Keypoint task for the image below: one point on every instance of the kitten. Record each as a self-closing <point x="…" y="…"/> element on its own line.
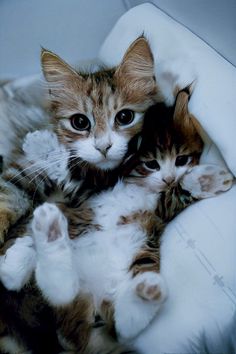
<point x="95" y="117"/>
<point x="118" y="261"/>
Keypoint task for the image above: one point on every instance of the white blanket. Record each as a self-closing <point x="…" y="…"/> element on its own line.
<point x="199" y="246"/>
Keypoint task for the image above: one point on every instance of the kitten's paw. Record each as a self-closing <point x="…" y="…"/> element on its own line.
<point x="205" y="181"/>
<point x="43" y="148"/>
<point x="49" y="224"/>
<point x="17" y="265"/>
<point x="151" y="286"/>
<point x="138" y="302"/>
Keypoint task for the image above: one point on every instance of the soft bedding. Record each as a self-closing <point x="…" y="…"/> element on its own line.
<point x="198" y="247"/>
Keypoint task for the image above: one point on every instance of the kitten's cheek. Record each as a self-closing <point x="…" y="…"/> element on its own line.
<point x="118" y="150"/>
<point x="181" y="172"/>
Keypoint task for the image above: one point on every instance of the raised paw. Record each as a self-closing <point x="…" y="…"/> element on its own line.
<point x="205" y="181"/>
<point x="49" y="224"/>
<point x="150" y="286"/>
<point x="137" y="303"/>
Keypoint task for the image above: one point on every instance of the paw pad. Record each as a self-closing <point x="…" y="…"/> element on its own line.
<point x="148" y="292"/>
<point x="150" y="286"/>
<point x="49" y="223"/>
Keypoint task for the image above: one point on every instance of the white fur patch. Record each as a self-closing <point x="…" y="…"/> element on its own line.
<point x="9" y="345"/>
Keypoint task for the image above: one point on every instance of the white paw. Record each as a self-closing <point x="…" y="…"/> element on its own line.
<point x="49" y="224"/>
<point x="206" y="181"/>
<point x="151" y="286"/>
<point x="138" y="302"/>
<point x="17" y="265"/>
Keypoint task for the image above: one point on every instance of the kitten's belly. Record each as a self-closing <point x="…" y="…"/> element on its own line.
<point x="103" y="259"/>
<point x="122" y="200"/>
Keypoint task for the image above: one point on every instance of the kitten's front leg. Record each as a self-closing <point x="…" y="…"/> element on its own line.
<point x="17" y="263"/>
<point x="55" y="272"/>
<point x="205" y="181"/>
<point x="137" y="302"/>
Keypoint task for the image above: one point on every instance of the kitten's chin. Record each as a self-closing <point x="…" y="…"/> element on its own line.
<point x="107" y="164"/>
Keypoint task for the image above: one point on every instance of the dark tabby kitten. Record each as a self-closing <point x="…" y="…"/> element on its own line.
<point x="95" y="117"/>
<point x="110" y="274"/>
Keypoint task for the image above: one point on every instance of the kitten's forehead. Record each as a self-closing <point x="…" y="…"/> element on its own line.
<point x="164" y="134"/>
<point x="103" y="92"/>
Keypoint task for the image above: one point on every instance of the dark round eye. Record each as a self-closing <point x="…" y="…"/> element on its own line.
<point x="124" y="117"/>
<point x="181" y="160"/>
<point x="153" y="165"/>
<point x="80" y="122"/>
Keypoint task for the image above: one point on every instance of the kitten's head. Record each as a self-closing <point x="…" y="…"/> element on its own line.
<point x="97" y="114"/>
<point x="170" y="145"/>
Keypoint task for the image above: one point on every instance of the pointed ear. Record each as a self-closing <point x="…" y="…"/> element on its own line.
<point x="137" y="64"/>
<point x="181" y="114"/>
<point x="55" y="69"/>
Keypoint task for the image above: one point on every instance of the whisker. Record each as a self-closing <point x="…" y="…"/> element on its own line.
<point x="40" y="169"/>
<point x="38" y="185"/>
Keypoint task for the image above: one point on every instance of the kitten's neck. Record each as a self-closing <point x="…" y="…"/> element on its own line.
<point x="141" y="184"/>
<point x="93" y="177"/>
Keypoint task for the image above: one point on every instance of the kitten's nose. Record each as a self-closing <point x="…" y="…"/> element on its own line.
<point x="103" y="148"/>
<point x="168" y="180"/>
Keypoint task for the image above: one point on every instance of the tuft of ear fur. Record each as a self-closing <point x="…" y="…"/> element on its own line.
<point x="54" y="68"/>
<point x="137" y="66"/>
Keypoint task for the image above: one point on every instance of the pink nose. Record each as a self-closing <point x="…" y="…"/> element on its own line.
<point x="104" y="149"/>
<point x="168" y="180"/>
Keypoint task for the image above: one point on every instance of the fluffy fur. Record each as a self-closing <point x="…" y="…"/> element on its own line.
<point x="116" y="260"/>
<point x="95" y="117"/>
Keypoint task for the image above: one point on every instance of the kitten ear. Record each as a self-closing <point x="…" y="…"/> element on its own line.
<point x="55" y="69"/>
<point x="137" y="65"/>
<point x="181" y="114"/>
<point x="182" y="117"/>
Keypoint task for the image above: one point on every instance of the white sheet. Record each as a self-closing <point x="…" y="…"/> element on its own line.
<point x="198" y="248"/>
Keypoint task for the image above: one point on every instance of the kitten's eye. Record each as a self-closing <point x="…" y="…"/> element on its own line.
<point x="182" y="160"/>
<point x="124" y="117"/>
<point x="152" y="165"/>
<point x="80" y="122"/>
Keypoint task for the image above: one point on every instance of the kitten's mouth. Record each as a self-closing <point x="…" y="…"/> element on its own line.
<point x="106" y="164"/>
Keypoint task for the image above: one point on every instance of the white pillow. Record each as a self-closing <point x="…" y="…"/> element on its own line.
<point x="198" y="247"/>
